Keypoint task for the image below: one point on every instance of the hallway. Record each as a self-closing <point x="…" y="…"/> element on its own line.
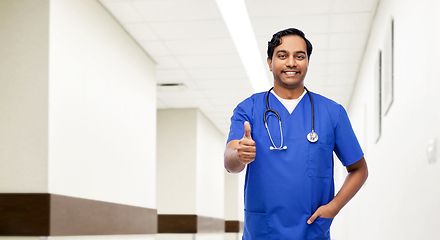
<point x="114" y="114"/>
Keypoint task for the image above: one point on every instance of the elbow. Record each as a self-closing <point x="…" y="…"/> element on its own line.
<point x="366" y="173"/>
<point x="359" y="169"/>
<point x="232" y="167"/>
<point x="226" y="166"/>
<point x="236" y="169"/>
<point x="363" y="172"/>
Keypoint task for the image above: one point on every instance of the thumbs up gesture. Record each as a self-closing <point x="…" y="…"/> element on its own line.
<point x="246" y="146"/>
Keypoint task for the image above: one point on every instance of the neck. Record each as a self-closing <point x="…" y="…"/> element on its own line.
<point x="287" y="93"/>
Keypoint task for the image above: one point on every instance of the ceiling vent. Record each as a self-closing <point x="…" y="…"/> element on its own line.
<point x="171" y="87"/>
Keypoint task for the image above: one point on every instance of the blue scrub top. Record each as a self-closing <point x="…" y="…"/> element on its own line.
<point x="284" y="188"/>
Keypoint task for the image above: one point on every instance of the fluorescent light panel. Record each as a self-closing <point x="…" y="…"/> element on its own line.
<point x="237" y="20"/>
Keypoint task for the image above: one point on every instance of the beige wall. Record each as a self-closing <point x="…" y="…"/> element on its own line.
<point x="176" y="161"/>
<point x="189" y="164"/>
<point x="190" y="175"/>
<point x="234" y="196"/>
<point x="210" y="173"/>
<point x="24" y="66"/>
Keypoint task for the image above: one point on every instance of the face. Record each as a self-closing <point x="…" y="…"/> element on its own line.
<point x="289" y="63"/>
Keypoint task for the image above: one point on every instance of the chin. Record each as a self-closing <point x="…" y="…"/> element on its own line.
<point x="292" y="85"/>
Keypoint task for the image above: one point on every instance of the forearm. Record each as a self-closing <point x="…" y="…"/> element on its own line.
<point x="357" y="175"/>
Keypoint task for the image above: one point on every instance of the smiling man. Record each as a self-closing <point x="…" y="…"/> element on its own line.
<point x="286" y="137"/>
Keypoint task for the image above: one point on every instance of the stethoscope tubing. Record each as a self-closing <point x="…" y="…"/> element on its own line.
<point x="313" y="109"/>
<point x="312" y="136"/>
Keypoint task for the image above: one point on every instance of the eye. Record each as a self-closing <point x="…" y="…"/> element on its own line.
<point x="300" y="56"/>
<point x="281" y="56"/>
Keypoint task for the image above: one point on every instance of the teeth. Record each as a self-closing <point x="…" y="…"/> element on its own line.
<point x="290" y="72"/>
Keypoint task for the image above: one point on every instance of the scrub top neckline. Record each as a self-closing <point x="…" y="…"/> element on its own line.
<point x="284" y="110"/>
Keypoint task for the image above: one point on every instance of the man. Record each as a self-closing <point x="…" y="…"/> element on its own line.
<point x="289" y="189"/>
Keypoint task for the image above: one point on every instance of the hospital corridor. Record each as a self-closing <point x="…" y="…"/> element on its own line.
<point x="118" y="119"/>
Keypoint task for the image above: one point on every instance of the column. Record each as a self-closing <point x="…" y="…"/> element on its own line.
<point x="190" y="176"/>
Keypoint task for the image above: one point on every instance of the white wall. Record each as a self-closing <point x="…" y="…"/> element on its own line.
<point x="400" y="199"/>
<point x="78" y="104"/>
<point x="102" y="102"/>
<point x="24" y="52"/>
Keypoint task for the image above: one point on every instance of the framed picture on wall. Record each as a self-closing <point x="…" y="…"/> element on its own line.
<point x="378" y="97"/>
<point x="388" y="68"/>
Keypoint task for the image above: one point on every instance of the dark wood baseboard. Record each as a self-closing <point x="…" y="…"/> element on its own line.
<point x="233" y="226"/>
<point x="175" y="223"/>
<point x="35" y="214"/>
<point x="44" y="214"/>
<point x="24" y="214"/>
<point x="187" y="223"/>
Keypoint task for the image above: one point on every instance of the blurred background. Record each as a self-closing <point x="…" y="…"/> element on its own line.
<point x="114" y="114"/>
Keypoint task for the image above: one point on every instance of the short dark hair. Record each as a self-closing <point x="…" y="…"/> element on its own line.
<point x="276" y="41"/>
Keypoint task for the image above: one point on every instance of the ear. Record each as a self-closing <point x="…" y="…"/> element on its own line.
<point x="269" y="62"/>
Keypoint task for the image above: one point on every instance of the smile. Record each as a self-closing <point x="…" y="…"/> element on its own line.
<point x="291" y="73"/>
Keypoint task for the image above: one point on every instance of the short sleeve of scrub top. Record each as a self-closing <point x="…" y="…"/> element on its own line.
<point x="242" y="113"/>
<point x="347" y="147"/>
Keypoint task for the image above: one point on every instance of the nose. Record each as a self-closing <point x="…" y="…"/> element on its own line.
<point x="291" y="61"/>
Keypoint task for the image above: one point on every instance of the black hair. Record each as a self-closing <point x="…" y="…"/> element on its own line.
<point x="276" y="41"/>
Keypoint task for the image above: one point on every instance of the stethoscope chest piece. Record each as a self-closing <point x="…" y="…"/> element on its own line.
<point x="312" y="137"/>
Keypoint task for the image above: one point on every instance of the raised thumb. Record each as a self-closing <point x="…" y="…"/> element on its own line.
<point x="247" y="130"/>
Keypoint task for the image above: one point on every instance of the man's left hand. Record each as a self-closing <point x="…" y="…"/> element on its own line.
<point x="324" y="211"/>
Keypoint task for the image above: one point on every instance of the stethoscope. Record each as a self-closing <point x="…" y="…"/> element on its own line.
<point x="312" y="136"/>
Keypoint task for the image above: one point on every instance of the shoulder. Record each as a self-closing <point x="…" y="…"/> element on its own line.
<point x="254" y="97"/>
<point x="334" y="109"/>
<point x="324" y="100"/>
<point x="244" y="111"/>
<point x="247" y="105"/>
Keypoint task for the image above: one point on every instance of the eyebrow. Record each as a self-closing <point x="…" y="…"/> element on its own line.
<point x="284" y="51"/>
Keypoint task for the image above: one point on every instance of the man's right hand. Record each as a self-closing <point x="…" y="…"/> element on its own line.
<point x="246" y="146"/>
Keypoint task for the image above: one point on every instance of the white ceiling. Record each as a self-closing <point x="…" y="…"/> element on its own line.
<point x="191" y="44"/>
